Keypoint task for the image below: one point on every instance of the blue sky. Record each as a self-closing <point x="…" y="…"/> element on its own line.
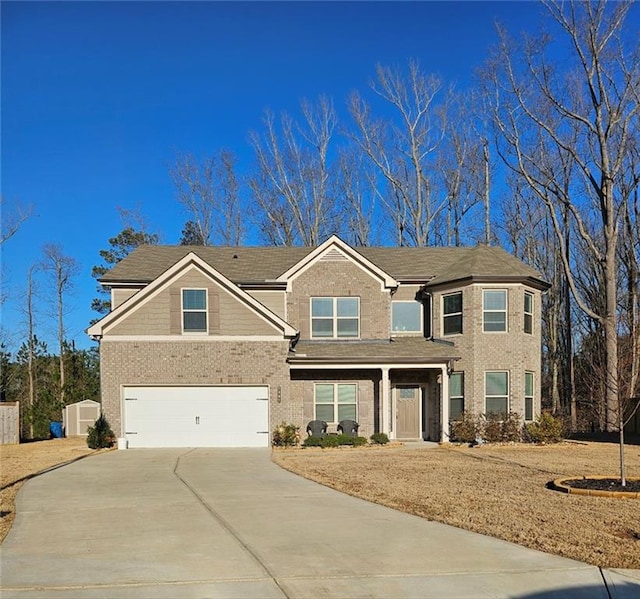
<point x="98" y="97"/>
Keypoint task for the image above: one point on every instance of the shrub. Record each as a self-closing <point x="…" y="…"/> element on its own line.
<point x="465" y="430"/>
<point x="330" y="441"/>
<point x="379" y="438"/>
<point x="546" y="429"/>
<point x="312" y="442"/>
<point x="492" y="429"/>
<point x="511" y="428"/>
<point x="100" y="435"/>
<point x="349" y="440"/>
<point x="286" y="435"/>
<point x="334" y="441"/>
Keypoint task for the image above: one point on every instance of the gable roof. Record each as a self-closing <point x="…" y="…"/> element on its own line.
<point x="172" y="273"/>
<point x="334" y="246"/>
<point x="268" y="265"/>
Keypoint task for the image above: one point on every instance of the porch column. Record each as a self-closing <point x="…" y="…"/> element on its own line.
<point x="384" y="402"/>
<point x="444" y="406"/>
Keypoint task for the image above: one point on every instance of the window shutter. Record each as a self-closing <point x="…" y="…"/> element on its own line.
<point x="305" y="317"/>
<point x="214" y="313"/>
<point x="175" y="311"/>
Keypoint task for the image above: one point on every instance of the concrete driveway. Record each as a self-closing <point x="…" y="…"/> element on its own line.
<point x="228" y="523"/>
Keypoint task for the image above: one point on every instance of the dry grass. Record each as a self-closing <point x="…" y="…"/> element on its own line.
<point x="494" y="490"/>
<point x="21" y="461"/>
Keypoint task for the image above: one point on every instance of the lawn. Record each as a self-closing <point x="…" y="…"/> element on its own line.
<point x="494" y="490"/>
<point x="22" y="461"/>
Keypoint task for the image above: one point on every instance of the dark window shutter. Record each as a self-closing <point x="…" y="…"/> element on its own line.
<point x="175" y="311"/>
<point x="214" y="313"/>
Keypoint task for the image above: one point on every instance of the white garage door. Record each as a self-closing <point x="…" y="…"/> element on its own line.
<point x="196" y="416"/>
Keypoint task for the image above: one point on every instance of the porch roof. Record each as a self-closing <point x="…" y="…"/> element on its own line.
<point x="400" y="350"/>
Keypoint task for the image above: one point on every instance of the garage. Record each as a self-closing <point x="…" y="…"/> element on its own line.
<point x="225" y="416"/>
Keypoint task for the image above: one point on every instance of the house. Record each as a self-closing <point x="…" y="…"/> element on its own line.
<point x="215" y="346"/>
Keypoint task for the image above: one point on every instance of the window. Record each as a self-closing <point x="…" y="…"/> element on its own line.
<point x="496" y="393"/>
<point x="456" y="395"/>
<point x="452" y="313"/>
<point x="494" y="310"/>
<point x="335" y="317"/>
<point x="194" y="310"/>
<point x="528" y="312"/>
<point x="528" y="395"/>
<point x="406" y="317"/>
<point x="336" y="401"/>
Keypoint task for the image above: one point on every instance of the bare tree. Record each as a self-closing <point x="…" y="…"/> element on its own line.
<point x="209" y="191"/>
<point x="360" y="192"/>
<point x="62" y="270"/>
<point x="294" y="186"/>
<point x="11" y="222"/>
<point x="29" y="312"/>
<point x="585" y="115"/>
<point x="403" y="150"/>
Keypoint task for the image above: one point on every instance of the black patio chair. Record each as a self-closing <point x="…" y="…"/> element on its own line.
<point x="317" y="428"/>
<point x="348" y="427"/>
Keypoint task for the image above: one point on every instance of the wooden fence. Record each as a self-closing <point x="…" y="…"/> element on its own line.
<point x="9" y="422"/>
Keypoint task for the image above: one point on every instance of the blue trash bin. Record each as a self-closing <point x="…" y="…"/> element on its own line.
<point x="55" y="428"/>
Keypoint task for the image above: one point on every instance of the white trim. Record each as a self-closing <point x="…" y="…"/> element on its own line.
<point x="505" y="311"/>
<point x="420" y="314"/>
<point x="336" y="404"/>
<point x="508" y="394"/>
<point x="162" y="282"/>
<point x="369" y="366"/>
<point x="525" y="313"/>
<point x="334" y="317"/>
<point x="188" y="338"/>
<point x="205" y="310"/>
<point x="333" y="244"/>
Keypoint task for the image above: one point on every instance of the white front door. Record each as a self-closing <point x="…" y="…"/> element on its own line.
<point x="226" y="416"/>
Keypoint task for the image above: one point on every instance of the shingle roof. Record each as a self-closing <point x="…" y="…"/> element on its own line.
<point x="436" y="265"/>
<point x="398" y="349"/>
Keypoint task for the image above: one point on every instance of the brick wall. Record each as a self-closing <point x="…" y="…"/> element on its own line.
<point x="186" y="363"/>
<point x="514" y="351"/>
<point x="340" y="279"/>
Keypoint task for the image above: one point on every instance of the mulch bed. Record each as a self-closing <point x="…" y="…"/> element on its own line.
<point x="603" y="484"/>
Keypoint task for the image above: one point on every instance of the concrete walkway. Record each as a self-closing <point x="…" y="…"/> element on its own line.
<point x="228" y="523"/>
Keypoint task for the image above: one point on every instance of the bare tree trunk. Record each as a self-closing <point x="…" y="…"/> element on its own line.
<point x="63" y="269"/>
<point x="29" y="309"/>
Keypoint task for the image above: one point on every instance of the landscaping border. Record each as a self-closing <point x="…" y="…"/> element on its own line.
<point x="559" y="485"/>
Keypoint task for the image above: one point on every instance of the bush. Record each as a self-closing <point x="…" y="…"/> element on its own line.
<point x="546" y="429"/>
<point x="465" y="430"/>
<point x="511" y="429"/>
<point x="379" y="438"/>
<point x="100" y="435"/>
<point x="492" y="429"/>
<point x="312" y="442"/>
<point x="286" y="435"/>
<point x="334" y="441"/>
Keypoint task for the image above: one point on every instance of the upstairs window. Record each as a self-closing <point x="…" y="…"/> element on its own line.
<point x="406" y="317"/>
<point x="456" y="395"/>
<point x="336" y="401"/>
<point x="194" y="310"/>
<point x="528" y="312"/>
<point x="452" y="313"/>
<point x="335" y="317"/>
<point x="496" y="393"/>
<point x="494" y="310"/>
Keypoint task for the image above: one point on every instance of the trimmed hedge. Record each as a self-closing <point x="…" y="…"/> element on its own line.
<point x="334" y="441"/>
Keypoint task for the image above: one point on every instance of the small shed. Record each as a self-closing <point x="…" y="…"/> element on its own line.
<point x="9" y="422"/>
<point x="77" y="417"/>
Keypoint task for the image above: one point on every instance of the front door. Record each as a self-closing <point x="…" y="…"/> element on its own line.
<point x="408" y="400"/>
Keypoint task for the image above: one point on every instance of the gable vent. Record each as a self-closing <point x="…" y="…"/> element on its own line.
<point x="334" y="255"/>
